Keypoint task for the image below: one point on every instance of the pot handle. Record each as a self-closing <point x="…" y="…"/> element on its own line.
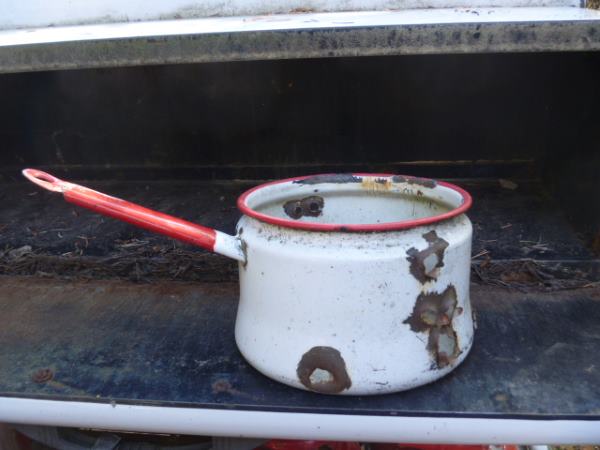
<point x="137" y="215"/>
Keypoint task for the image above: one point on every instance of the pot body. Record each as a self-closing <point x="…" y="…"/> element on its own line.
<point x="355" y="313"/>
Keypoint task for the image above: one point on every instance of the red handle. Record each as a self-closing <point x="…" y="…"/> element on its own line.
<point x="128" y="212"/>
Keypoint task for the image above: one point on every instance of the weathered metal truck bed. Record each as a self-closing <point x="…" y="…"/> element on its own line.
<point x="98" y="311"/>
<point x="106" y="326"/>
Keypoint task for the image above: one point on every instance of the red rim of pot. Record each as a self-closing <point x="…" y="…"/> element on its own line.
<point x="467" y="201"/>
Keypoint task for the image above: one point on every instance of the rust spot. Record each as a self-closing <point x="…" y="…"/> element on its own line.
<point x="330" y="178"/>
<point x="310" y="206"/>
<point x="433" y="314"/>
<point x="592" y="4"/>
<point x="322" y="369"/>
<point x="244" y="248"/>
<point x="425" y="182"/>
<point x="301" y="10"/>
<point x="221" y="385"/>
<point x="376" y="184"/>
<point x="42" y="376"/>
<point x="425" y="265"/>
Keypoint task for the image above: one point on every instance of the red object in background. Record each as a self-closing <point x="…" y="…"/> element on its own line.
<point x="331" y="445"/>
<point x="439" y="447"/>
<point x="280" y="444"/>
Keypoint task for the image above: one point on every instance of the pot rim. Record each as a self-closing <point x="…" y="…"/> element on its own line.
<point x="466" y="203"/>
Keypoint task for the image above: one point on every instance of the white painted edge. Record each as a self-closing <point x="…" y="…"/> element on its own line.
<point x="230" y="246"/>
<point x="282" y="425"/>
<point x="282" y="22"/>
<point x="41" y="13"/>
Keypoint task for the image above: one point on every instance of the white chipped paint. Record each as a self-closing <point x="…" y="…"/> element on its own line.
<point x="351" y="292"/>
<point x="40" y="13"/>
<point x="166" y="28"/>
<point x="282" y="425"/>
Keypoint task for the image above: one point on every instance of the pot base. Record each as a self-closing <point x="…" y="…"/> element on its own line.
<point x="328" y="379"/>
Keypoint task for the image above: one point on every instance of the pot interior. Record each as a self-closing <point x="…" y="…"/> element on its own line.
<point x="354" y="200"/>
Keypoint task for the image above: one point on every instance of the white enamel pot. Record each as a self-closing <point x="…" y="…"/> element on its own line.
<point x="349" y="284"/>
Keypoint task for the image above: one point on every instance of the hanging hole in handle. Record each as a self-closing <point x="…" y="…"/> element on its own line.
<point x="44" y="180"/>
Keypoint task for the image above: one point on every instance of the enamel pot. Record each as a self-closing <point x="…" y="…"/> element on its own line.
<point x="349" y="284"/>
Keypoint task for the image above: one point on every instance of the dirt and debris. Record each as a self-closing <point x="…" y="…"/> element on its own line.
<point x="19" y="252"/>
<point x="93" y="246"/>
<point x="507" y="184"/>
<point x="302" y="10"/>
<point x="42" y="376"/>
<point x="424" y="182"/>
<point x="596" y="244"/>
<point x="330" y="178"/>
<point x="480" y="254"/>
<point x="532" y="275"/>
<point x="97" y="247"/>
<point x="135" y="261"/>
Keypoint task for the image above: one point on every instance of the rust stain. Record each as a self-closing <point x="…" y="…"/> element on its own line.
<point x="433" y="313"/>
<point x="42" y="376"/>
<point x="223" y="385"/>
<point x="425" y="265"/>
<point x="301" y="10"/>
<point x="376" y="184"/>
<point x="592" y="4"/>
<point x="322" y="369"/>
<point x="425" y="182"/>
<point x="310" y="206"/>
<point x="244" y="248"/>
<point x="330" y="178"/>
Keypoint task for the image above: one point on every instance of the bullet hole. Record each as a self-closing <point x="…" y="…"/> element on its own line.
<point x="310" y="206"/>
<point x="425" y="265"/>
<point x="322" y="369"/>
<point x="433" y="314"/>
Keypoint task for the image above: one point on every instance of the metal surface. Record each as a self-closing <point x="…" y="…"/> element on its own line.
<point x="132" y="350"/>
<point x="312" y="35"/>
<point x="172" y="344"/>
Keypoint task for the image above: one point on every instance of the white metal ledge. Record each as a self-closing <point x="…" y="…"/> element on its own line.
<point x="305" y="35"/>
<point x="261" y="424"/>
